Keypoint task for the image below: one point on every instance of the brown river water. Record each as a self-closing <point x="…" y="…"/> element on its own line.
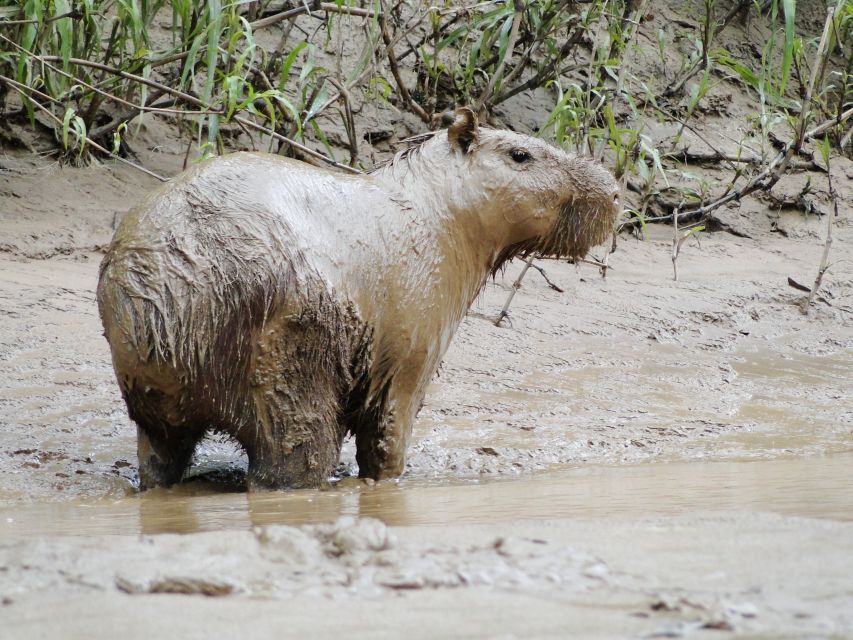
<point x="819" y="486"/>
<point x="762" y="469"/>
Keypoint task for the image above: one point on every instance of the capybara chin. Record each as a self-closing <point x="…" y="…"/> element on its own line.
<point x="288" y="305"/>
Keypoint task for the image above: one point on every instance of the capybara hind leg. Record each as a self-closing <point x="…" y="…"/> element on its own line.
<point x="163" y="460"/>
<point x="295" y="438"/>
<point x="305" y="466"/>
<point x="294" y="448"/>
<point x="296" y="451"/>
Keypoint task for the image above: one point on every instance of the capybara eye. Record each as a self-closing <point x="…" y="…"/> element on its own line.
<point x="519" y="155"/>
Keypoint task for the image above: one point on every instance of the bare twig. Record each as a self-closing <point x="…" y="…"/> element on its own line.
<point x="715" y="156"/>
<point x="678" y="240"/>
<point x="594" y="263"/>
<point x="528" y="262"/>
<point x="824" y="260"/>
<point x="547" y="279"/>
<point x="74" y="14"/>
<point x="676" y="245"/>
<point x="328" y="7"/>
<point x="796" y="285"/>
<point x="395" y="71"/>
<point x="306" y="150"/>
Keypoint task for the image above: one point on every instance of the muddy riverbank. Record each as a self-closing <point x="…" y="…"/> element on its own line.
<point x="633" y="457"/>
<point x="626" y="369"/>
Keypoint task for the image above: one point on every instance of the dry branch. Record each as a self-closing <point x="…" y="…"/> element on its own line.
<point x="824" y="260"/>
<point x="547" y="279"/>
<point x="528" y="262"/>
<point x="762" y="181"/>
<point x="395" y="71"/>
<point x="74" y="14"/>
<point x="306" y="8"/>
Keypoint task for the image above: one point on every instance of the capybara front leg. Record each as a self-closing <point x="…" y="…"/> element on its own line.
<point x="379" y="456"/>
<point x="381" y="447"/>
<point x="163" y="460"/>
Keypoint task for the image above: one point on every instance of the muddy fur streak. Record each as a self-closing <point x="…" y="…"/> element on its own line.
<point x="288" y="305"/>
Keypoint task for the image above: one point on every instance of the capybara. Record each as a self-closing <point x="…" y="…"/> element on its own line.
<point x="288" y="305"/>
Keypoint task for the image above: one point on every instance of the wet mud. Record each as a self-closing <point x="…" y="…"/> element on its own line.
<point x="634" y="457"/>
<point x="621" y="370"/>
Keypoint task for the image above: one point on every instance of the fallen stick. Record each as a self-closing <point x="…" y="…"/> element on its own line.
<point x="306" y="8"/>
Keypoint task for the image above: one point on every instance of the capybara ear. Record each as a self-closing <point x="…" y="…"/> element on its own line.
<point x="462" y="132"/>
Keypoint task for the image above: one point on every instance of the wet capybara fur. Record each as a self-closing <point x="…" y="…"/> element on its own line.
<point x="288" y="305"/>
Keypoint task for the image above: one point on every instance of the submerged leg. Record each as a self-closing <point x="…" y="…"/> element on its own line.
<point x="381" y="445"/>
<point x="164" y="454"/>
<point x="380" y="455"/>
<point x="308" y="465"/>
<point x="297" y="440"/>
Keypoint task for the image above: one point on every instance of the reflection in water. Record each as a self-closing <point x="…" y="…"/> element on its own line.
<point x="817" y="487"/>
<point x="159" y="512"/>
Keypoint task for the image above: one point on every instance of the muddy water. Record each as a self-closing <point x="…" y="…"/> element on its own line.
<point x="816" y="486"/>
<point x="797" y="402"/>
<point x="655" y="402"/>
<point x="791" y="452"/>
